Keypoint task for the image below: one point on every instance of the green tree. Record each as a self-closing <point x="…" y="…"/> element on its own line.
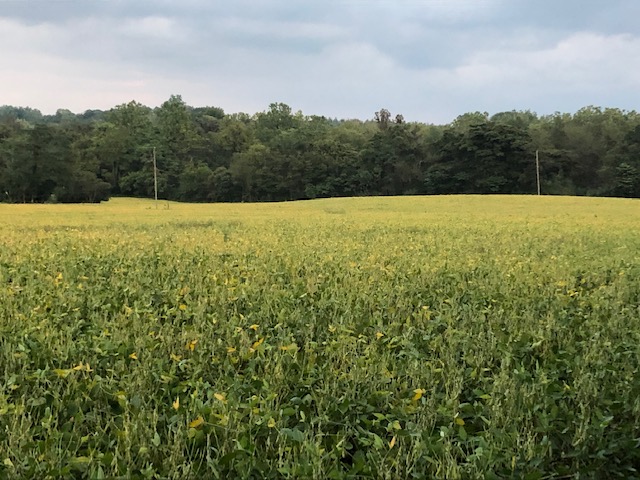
<point x="274" y="121"/>
<point x="394" y="157"/>
<point x="627" y="180"/>
<point x="176" y="138"/>
<point x="223" y="187"/>
<point x="83" y="183"/>
<point x="248" y="170"/>
<point x="37" y="162"/>
<point x="123" y="144"/>
<point x="484" y="157"/>
<point x="195" y="183"/>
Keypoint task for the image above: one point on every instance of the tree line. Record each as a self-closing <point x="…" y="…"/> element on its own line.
<point x="204" y="154"/>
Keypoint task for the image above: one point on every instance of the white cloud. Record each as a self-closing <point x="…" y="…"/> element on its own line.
<point x="152" y="27"/>
<point x="443" y="12"/>
<point x="281" y="29"/>
<point x="582" y="60"/>
<point x="582" y="69"/>
<point x="38" y="70"/>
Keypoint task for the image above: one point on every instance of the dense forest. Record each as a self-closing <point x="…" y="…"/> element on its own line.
<point x="203" y="154"/>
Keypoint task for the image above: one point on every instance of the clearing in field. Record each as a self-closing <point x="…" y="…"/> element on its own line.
<point x="414" y="337"/>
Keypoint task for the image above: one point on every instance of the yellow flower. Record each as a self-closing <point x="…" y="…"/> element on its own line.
<point x="82" y="366"/>
<point x="258" y="343"/>
<point x="182" y="307"/>
<point x="220" y="397"/>
<point x="197" y="422"/>
<point x="191" y="345"/>
<point x="379" y="335"/>
<point x="271" y="423"/>
<point x="418" y="392"/>
<point x="230" y="349"/>
<point x="254" y="327"/>
<point x="133" y="356"/>
<point x="176" y="403"/>
<point x="176" y="358"/>
<point x="392" y="442"/>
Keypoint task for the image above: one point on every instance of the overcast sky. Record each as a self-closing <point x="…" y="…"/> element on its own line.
<point x="430" y="60"/>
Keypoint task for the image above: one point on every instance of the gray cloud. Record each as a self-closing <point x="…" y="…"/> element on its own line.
<point x="429" y="59"/>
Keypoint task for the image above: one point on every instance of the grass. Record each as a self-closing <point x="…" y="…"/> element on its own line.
<point x="414" y="337"/>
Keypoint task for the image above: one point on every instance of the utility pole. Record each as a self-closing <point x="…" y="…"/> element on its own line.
<point x="155" y="177"/>
<point x="538" y="171"/>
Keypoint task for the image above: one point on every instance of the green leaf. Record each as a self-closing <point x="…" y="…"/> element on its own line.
<point x="293" y="434"/>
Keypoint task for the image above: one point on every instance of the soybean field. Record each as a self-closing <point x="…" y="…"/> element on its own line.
<point x="390" y="337"/>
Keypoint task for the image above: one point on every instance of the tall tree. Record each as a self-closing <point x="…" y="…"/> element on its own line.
<point x="176" y="135"/>
<point x="483" y="157"/>
<point x="394" y="157"/>
<point x="123" y="144"/>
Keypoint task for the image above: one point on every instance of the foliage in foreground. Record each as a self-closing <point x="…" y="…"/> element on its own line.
<point x="451" y="337"/>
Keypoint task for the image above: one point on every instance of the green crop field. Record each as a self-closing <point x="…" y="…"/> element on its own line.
<point x="416" y="337"/>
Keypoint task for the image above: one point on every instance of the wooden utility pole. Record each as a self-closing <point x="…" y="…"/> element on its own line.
<point x="155" y="177"/>
<point x="538" y="171"/>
